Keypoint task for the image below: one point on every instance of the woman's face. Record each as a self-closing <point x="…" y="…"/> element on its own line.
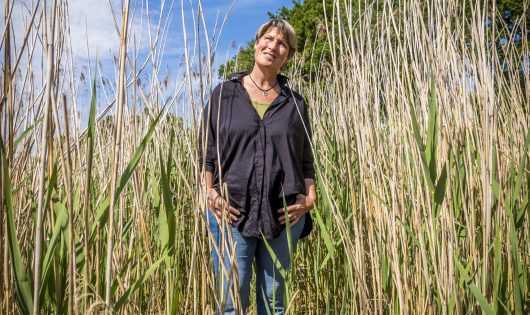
<point x="271" y="50"/>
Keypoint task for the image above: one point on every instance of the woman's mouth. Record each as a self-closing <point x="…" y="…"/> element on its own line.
<point x="272" y="56"/>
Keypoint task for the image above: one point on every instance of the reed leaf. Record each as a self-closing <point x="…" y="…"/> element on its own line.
<point x="22" y="280"/>
<point x="441" y="184"/>
<point x="421" y="147"/>
<point x="92" y="114"/>
<point x="275" y="259"/>
<point x="52" y="182"/>
<point x="326" y="237"/>
<point x="484" y="305"/>
<point x="432" y="131"/>
<point x="167" y="216"/>
<point x="61" y="223"/>
<point x="521" y="168"/>
<point x="138" y="283"/>
<point x="26" y="132"/>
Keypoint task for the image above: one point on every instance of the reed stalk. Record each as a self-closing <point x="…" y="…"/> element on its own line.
<point x="4" y="279"/>
<point x="121" y="101"/>
<point x="50" y="53"/>
<point x="72" y="302"/>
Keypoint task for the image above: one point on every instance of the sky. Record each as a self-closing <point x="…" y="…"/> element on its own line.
<point x="94" y="36"/>
<point x="245" y="18"/>
<point x="93" y="19"/>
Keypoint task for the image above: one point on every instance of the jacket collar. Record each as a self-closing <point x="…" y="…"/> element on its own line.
<point x="237" y="76"/>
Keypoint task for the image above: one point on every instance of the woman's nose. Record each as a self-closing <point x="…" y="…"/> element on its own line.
<point x="273" y="44"/>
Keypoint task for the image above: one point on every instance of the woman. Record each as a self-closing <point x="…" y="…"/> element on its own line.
<point x="257" y="154"/>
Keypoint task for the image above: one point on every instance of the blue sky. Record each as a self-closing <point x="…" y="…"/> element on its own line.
<point x="239" y="28"/>
<point x="93" y="32"/>
<point x="93" y="35"/>
<point x="244" y="19"/>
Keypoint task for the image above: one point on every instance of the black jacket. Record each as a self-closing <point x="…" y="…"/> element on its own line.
<point x="261" y="160"/>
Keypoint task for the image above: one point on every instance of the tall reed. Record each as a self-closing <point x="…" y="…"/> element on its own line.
<point x="420" y="132"/>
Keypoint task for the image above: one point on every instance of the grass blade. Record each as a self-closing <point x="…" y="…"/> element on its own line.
<point x="326" y="237"/>
<point x="168" y="220"/>
<point x="61" y="223"/>
<point x="421" y="147"/>
<point x="22" y="280"/>
<point x="484" y="305"/>
<point x="432" y="131"/>
<point x="138" y="283"/>
<point x="520" y="170"/>
<point x="25" y="133"/>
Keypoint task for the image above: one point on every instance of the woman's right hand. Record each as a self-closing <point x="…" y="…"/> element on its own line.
<point x="219" y="206"/>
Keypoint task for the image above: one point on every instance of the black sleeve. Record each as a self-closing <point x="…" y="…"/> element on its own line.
<point x="308" y="167"/>
<point x="207" y="136"/>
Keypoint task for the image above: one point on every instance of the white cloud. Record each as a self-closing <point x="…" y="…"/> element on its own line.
<point x="92" y="28"/>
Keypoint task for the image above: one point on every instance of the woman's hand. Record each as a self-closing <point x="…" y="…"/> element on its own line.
<point x="219" y="205"/>
<point x="302" y="206"/>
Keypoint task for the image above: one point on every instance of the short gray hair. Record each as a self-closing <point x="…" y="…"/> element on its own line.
<point x="285" y="28"/>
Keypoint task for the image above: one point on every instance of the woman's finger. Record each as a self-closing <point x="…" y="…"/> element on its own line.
<point x="290" y="209"/>
<point x="292" y="218"/>
<point x="223" y="204"/>
<point x="234" y="211"/>
<point x="282" y="210"/>
<point x="296" y="220"/>
<point x="298" y="209"/>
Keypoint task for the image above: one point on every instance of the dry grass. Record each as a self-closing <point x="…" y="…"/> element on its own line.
<point x="421" y="140"/>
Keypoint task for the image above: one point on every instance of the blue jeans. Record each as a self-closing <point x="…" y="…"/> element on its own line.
<point x="270" y="284"/>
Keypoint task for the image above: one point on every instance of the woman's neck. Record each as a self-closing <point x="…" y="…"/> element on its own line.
<point x="264" y="77"/>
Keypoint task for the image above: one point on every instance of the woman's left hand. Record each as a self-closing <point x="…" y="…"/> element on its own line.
<point x="302" y="206"/>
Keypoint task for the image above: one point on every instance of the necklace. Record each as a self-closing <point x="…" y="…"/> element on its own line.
<point x="265" y="92"/>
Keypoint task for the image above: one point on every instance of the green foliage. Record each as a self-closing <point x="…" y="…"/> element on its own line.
<point x="243" y="61"/>
<point x="26" y="132"/>
<point x="515" y="7"/>
<point x="92" y="115"/>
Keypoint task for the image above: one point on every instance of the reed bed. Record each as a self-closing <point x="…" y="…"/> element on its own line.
<point x="420" y="131"/>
